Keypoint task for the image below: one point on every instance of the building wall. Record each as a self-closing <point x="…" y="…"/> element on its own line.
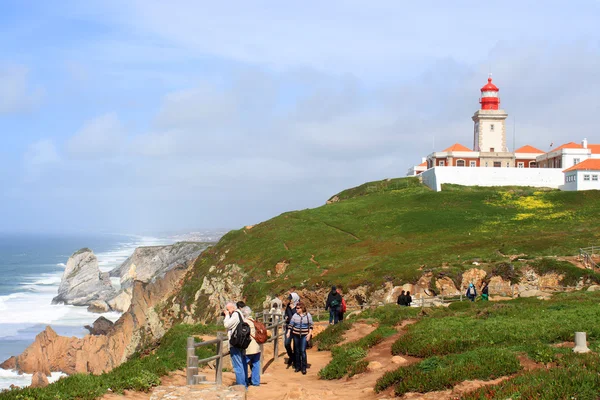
<point x="570" y="181"/>
<point x="536" y="177"/>
<point x="591" y="184"/>
<point x="526" y="162"/>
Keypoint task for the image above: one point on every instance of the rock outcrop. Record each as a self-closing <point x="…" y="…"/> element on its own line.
<point x="147" y="264"/>
<point x="101" y="326"/>
<point x="137" y="327"/>
<point x="82" y="282"/>
<point x="39" y="380"/>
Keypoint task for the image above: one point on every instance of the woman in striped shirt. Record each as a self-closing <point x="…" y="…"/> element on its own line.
<point x="300" y="327"/>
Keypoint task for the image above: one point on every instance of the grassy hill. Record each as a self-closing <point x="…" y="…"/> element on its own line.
<point x="385" y="230"/>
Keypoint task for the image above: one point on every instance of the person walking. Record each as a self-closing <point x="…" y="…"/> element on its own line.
<point x="471" y="292"/>
<point x="290" y="310"/>
<point x="401" y="299"/>
<point x="342" y="306"/>
<point x="301" y="328"/>
<point x="333" y="304"/>
<point x="485" y="292"/>
<point x="233" y="317"/>
<point x="253" y="351"/>
<point x="407" y="299"/>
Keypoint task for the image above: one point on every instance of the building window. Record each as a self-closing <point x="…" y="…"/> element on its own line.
<point x="492" y="149"/>
<point x="497" y="164"/>
<point x="492" y="127"/>
<point x="486" y="163"/>
<point x="532" y="164"/>
<point x="460" y="163"/>
<point x="520" y="165"/>
<point x="575" y="161"/>
<point x="586" y="177"/>
<point x="507" y="164"/>
<point x="594" y="177"/>
<point x="472" y="163"/>
<point x="441" y="163"/>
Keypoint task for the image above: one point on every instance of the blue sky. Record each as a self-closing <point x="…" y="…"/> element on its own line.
<point x="144" y="116"/>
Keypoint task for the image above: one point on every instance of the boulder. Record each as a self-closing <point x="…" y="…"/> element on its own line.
<point x="148" y="263"/>
<point x="593" y="288"/>
<point x="38" y="380"/>
<point x="122" y="301"/>
<point x="374" y="366"/>
<point x="98" y="306"/>
<point x="11" y="363"/>
<point x="101" y="326"/>
<point x="280" y="267"/>
<point x="399" y="360"/>
<point x="474" y="276"/>
<point x="82" y="282"/>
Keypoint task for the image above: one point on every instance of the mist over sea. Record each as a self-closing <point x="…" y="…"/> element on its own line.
<point x="31" y="267"/>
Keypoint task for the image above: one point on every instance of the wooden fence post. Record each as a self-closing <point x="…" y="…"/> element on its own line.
<point x="219" y="361"/>
<point x="190" y="352"/>
<point x="276" y="338"/>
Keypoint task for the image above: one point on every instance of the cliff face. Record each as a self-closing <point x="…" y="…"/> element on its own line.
<point x="139" y="326"/>
<point x="82" y="282"/>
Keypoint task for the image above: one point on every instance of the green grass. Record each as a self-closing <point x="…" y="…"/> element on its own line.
<point x="140" y="373"/>
<point x="467" y="326"/>
<point x="385" y="231"/>
<point x="576" y="377"/>
<point x="332" y="335"/>
<point x="440" y="373"/>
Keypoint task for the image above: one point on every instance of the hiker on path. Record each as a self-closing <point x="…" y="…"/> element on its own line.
<point x="301" y="328"/>
<point x="471" y="292"/>
<point x="290" y="310"/>
<point x="253" y="351"/>
<point x="342" y="306"/>
<point x="401" y="299"/>
<point x="407" y="299"/>
<point x="333" y="304"/>
<point x="233" y="317"/>
<point x="485" y="292"/>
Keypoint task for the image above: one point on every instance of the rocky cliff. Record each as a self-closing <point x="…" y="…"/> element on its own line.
<point x="95" y="354"/>
<point x="82" y="282"/>
<point x="147" y="264"/>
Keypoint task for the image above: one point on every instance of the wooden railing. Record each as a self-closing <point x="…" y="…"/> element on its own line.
<point x="587" y="254"/>
<point x="193" y="363"/>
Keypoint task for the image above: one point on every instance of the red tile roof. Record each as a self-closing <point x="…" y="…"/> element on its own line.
<point x="457" y="147"/>
<point x="423" y="164"/>
<point x="586" y="165"/>
<point x="595" y="148"/>
<point x="570" y="145"/>
<point x="528" y="149"/>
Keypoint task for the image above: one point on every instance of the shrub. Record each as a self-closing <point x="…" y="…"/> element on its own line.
<point x="332" y="335"/>
<point x="439" y="373"/>
<point x="507" y="271"/>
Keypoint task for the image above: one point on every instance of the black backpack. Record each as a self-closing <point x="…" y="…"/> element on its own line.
<point x="240" y="337"/>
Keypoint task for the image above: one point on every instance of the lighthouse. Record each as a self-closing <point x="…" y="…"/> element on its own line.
<point x="489" y="134"/>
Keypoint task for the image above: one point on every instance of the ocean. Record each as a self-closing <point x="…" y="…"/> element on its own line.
<point x="31" y="267"/>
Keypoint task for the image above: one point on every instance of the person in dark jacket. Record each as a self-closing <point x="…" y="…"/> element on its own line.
<point x="333" y="304"/>
<point x="401" y="299"/>
<point x="407" y="299"/>
<point x="290" y="310"/>
<point x="471" y="292"/>
<point x="485" y="292"/>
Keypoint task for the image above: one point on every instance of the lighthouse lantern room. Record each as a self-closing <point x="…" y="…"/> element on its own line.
<point x="489" y="96"/>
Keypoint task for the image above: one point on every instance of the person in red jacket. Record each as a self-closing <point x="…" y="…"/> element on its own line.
<point x="343" y="306"/>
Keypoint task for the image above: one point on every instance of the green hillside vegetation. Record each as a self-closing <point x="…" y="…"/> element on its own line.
<point x="386" y="230"/>
<point x="482" y="340"/>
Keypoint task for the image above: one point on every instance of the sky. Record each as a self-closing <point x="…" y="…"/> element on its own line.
<point x="140" y="116"/>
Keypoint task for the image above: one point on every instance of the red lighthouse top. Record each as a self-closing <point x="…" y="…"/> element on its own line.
<point x="489" y="96"/>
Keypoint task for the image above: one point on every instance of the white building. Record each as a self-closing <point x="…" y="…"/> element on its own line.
<point x="583" y="176"/>
<point x="568" y="155"/>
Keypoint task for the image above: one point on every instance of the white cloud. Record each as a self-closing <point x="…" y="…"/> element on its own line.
<point x="16" y="93"/>
<point x="101" y="137"/>
<point x="39" y="156"/>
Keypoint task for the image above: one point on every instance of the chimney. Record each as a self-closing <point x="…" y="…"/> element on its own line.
<point x="584" y="143"/>
<point x="423" y="159"/>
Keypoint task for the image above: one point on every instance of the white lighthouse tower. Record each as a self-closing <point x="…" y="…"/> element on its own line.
<point x="489" y="135"/>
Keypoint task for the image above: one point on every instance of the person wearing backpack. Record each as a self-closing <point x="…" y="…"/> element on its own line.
<point x="485" y="291"/>
<point x="333" y="304"/>
<point x="257" y="329"/>
<point x="238" y="342"/>
<point x="471" y="292"/>
<point x="301" y="328"/>
<point x="401" y="299"/>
